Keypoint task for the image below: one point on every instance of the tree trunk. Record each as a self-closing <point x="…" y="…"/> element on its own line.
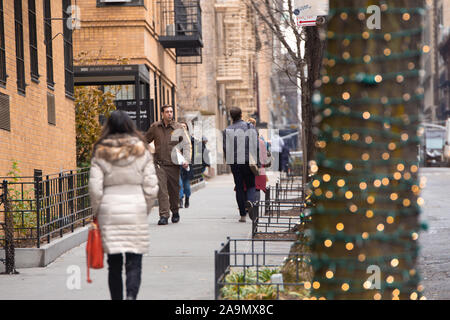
<point x="366" y="188"/>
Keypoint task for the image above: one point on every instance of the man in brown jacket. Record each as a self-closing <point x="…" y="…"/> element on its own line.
<point x="168" y="137"/>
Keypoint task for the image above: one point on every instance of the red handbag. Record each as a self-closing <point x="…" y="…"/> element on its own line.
<point x="94" y="249"/>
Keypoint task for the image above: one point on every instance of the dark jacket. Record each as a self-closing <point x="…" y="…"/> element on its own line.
<point x="237" y="139"/>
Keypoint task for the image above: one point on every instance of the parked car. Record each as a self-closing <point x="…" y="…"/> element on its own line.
<point x="446" y="148"/>
<point x="433" y="144"/>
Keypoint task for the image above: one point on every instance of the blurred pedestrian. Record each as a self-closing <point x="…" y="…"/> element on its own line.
<point x="284" y="159"/>
<point x="123" y="187"/>
<point x="170" y="140"/>
<point x="239" y="144"/>
<point x="186" y="175"/>
<point x="261" y="179"/>
<point x="276" y="149"/>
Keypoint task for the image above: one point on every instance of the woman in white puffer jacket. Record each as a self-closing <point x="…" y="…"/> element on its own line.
<point x="123" y="187"/>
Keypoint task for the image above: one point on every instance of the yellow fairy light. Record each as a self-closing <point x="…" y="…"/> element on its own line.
<point x="367" y="285"/>
<point x="346" y="55"/>
<point x="370" y="199"/>
<point x="380" y="227"/>
<point x="307" y="285"/>
<point x="353" y="208"/>
<point x="344" y="16"/>
<point x="346" y="42"/>
<point x="396" y="292"/>
<point x="413" y="296"/>
<point x="322" y="298"/>
<point x="407" y="176"/>
<point x="394" y="196"/>
<point x="387" y="52"/>
<point x="378" y="78"/>
<point x="365" y="235"/>
<point x="316" y="183"/>
<point x="365" y="156"/>
<point x="404" y="136"/>
<point x="385" y="181"/>
<point x="346" y="95"/>
<point x="392" y="146"/>
<point x="423" y="298"/>
<point x="369" y="214"/>
<point x="390" y="279"/>
<point x="330" y="34"/>
<point x="415" y="189"/>
<point x="420" y="288"/>
<point x="411" y="66"/>
<point x="340" y="80"/>
<point x="426" y="49"/>
<point x="326" y="79"/>
<point x="406" y="16"/>
<point x="406" y="97"/>
<point x="318" y="192"/>
<point x="397" y="176"/>
<point x="362" y="257"/>
<point x="349" y="195"/>
<point x="355" y="137"/>
<point x="326" y="177"/>
<point x="369" y="139"/>
<point x="394" y="262"/>
<point x="377" y="296"/>
<point x="345" y="287"/>
<point x="329" y="274"/>
<point x="349" y="246"/>
<point x="385" y="156"/>
<point x="390" y="220"/>
<point x="414" y="168"/>
<point x="329" y="194"/>
<point x="366" y="115"/>
<point x="366" y="35"/>
<point x="346" y="137"/>
<point x="361" y="16"/>
<point x="341" y="183"/>
<point x="363" y="186"/>
<point x="340" y="226"/>
<point x="316" y="285"/>
<point x="400" y="78"/>
<point x="406" y="202"/>
<point x="387" y="37"/>
<point x="328" y="243"/>
<point x="414" y="236"/>
<point x="348" y="167"/>
<point x="367" y="58"/>
<point x="420" y="201"/>
<point x="377" y="183"/>
<point x="400" y="167"/>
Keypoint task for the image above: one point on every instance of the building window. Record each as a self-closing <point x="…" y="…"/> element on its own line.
<point x="68" y="50"/>
<point x="20" y="63"/>
<point x="103" y="3"/>
<point x="34" y="65"/>
<point x="48" y="42"/>
<point x="2" y="47"/>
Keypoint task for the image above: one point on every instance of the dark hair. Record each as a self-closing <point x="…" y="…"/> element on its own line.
<point x="119" y="123"/>
<point x="236" y="114"/>
<point x="166" y="106"/>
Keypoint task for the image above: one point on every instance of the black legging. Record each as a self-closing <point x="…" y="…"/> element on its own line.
<point x="133" y="268"/>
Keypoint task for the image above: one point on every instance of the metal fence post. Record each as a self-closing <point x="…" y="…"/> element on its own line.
<point x="37" y="196"/>
<point x="9" y="233"/>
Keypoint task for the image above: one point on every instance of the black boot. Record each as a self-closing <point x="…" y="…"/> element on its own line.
<point x="163" y="221"/>
<point x="181" y="203"/>
<point x="186" y="203"/>
<point x="175" y="217"/>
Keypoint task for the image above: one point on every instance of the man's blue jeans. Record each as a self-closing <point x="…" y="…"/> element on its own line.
<point x="243" y="175"/>
<point x="185" y="187"/>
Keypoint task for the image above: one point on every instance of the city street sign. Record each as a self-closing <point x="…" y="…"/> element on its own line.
<point x="307" y="11"/>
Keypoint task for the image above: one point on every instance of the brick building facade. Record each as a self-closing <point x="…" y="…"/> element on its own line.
<point x="37" y="116"/>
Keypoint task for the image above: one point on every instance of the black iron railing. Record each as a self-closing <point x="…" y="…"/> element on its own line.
<point x="250" y="260"/>
<point x="44" y="207"/>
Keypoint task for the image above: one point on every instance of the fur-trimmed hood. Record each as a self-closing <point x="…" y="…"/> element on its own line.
<point x="120" y="149"/>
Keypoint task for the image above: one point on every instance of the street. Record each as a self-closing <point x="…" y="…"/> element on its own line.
<point x="434" y="262"/>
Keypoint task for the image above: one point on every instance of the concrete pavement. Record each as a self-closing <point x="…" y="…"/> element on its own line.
<point x="180" y="264"/>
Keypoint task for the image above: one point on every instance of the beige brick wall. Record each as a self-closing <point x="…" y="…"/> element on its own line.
<point x="33" y="142"/>
<point x="120" y="32"/>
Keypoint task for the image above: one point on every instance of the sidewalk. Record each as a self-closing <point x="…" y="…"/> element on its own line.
<point x="180" y="265"/>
